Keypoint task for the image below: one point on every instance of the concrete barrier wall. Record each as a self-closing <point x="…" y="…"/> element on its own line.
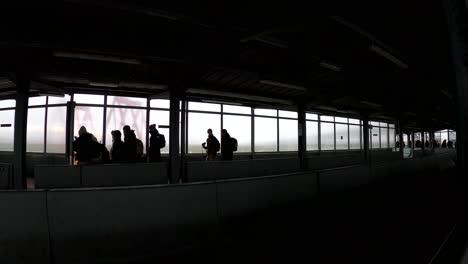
<point x="333" y="161"/>
<point x="118" y="225"/>
<point x="23" y="227"/>
<point x="334" y="180"/>
<point x="47" y="177"/>
<point x="124" y="174"/>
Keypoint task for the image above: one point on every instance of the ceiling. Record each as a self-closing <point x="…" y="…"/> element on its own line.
<point x="390" y="63"/>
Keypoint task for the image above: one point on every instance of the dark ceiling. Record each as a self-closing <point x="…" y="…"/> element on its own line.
<point x="232" y="49"/>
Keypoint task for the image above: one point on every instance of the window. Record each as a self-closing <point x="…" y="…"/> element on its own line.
<point x="7" y="133"/>
<point x="311" y="116"/>
<point x="237" y="109"/>
<point x="7" y="103"/>
<point x="198" y="124"/>
<point x="354" y="137"/>
<point x="88" y="99"/>
<point x="266" y="132"/>
<point x="312" y="135"/>
<point x="392" y="136"/>
<point x="116" y="118"/>
<point x="327" y="118"/>
<point x="375" y="137"/>
<point x="160" y="103"/>
<point x="35" y="130"/>
<point x="327" y="136"/>
<point x="452" y="136"/>
<point x="265" y="112"/>
<point x="126" y="101"/>
<point x="58" y="100"/>
<point x="56" y="125"/>
<point x="204" y="107"/>
<point x="161" y="118"/>
<point x="287" y="114"/>
<point x="341" y="136"/>
<point x="239" y="127"/>
<point x="39" y="100"/>
<point x="91" y="118"/>
<point x="341" y="120"/>
<point x="383" y="137"/>
<point x="288" y="134"/>
<point x="354" y="121"/>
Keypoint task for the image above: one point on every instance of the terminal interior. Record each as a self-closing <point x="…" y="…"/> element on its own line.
<point x="347" y="131"/>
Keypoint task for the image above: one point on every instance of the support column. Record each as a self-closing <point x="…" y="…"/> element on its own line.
<point x="423" y="141"/>
<point x="174" y="156"/>
<point x="302" y="138"/>
<point x="365" y="130"/>
<point x="412" y="144"/>
<point x="69" y="133"/>
<point x="21" y="122"/>
<point x="401" y="139"/>
<point x="183" y="127"/>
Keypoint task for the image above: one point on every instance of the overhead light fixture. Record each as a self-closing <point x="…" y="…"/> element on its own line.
<point x="388" y="56"/>
<point x="102" y="84"/>
<point x="284" y="85"/>
<point x="220" y="102"/>
<point x="370" y="104"/>
<point x="239" y="96"/>
<point x="330" y="66"/>
<point x="84" y="56"/>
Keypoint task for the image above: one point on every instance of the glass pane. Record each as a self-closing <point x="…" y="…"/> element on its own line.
<point x="38" y="100"/>
<point x="239" y="127"/>
<point x="7" y="103"/>
<point x="88" y="99"/>
<point x="56" y="124"/>
<point x="58" y="100"/>
<point x="198" y="124"/>
<point x="384" y="137"/>
<point x="391" y="136"/>
<point x="383" y="124"/>
<point x="375" y="137"/>
<point x="265" y="112"/>
<point x="288" y="135"/>
<point x="443" y="136"/>
<point x="7" y="117"/>
<point x="341" y="120"/>
<point x="453" y="136"/>
<point x="327" y="118"/>
<point x="35" y="130"/>
<point x="204" y="107"/>
<point x="289" y="114"/>
<point x="160" y="103"/>
<point x="91" y="118"/>
<point x="354" y="137"/>
<point x="237" y="109"/>
<point x="117" y="118"/>
<point x="311" y="116"/>
<point x="354" y="121"/>
<point x="126" y="101"/>
<point x="266" y="132"/>
<point x="391" y="125"/>
<point x="327" y="135"/>
<point x="341" y="136"/>
<point x="312" y="135"/>
<point x="161" y="118"/>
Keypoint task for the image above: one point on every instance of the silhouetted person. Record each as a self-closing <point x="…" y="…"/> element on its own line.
<point x="88" y="150"/>
<point x="157" y="142"/>
<point x="418" y="144"/>
<point x="118" y="151"/>
<point x="450" y="144"/>
<point x="397" y="144"/>
<point x="228" y="145"/>
<point x="427" y="144"/>
<point x="444" y="144"/>
<point x="212" y="145"/>
<point x="133" y="144"/>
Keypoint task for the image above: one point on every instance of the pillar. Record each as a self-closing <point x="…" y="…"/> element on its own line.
<point x="21" y="121"/>
<point x="365" y="130"/>
<point x="174" y="155"/>
<point x="302" y="138"/>
<point x="401" y="139"/>
<point x="69" y="133"/>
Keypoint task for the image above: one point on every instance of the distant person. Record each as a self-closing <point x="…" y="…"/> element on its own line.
<point x="427" y="144"/>
<point x="88" y="150"/>
<point x="157" y="142"/>
<point x="444" y="144"/>
<point x="118" y="151"/>
<point x="211" y="145"/>
<point x="228" y="145"/>
<point x="418" y="144"/>
<point x="133" y="144"/>
<point x="450" y="144"/>
<point x="397" y="144"/>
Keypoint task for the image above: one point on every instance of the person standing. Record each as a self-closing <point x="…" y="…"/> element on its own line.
<point x="227" y="145"/>
<point x="134" y="145"/>
<point x="211" y="145"/>
<point x="118" y="151"/>
<point x="157" y="142"/>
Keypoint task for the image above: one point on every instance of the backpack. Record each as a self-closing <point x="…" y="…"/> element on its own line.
<point x="234" y="144"/>
<point x="161" y="141"/>
<point x="216" y="143"/>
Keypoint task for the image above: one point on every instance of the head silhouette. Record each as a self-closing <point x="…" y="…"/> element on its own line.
<point x="116" y="135"/>
<point x="82" y="131"/>
<point x="209" y="131"/>
<point x="152" y="128"/>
